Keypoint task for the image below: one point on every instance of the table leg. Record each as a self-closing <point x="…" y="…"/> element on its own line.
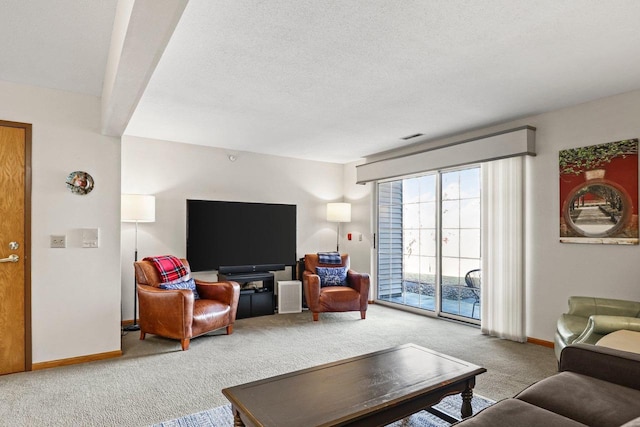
<point x="237" y="421"/>
<point x="467" y="395"/>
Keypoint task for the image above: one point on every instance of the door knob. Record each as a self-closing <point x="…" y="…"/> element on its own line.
<point x="10" y="258"/>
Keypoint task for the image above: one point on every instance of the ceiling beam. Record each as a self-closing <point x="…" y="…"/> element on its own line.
<point x="141" y="31"/>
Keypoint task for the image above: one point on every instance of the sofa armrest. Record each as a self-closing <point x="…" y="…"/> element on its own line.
<point x="601" y="324"/>
<point x="166" y="312"/>
<point x="607" y="364"/>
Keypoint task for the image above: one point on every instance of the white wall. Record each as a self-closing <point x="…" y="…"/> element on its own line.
<point x="175" y="172"/>
<point x="359" y="196"/>
<point x="555" y="271"/>
<point x="75" y="291"/>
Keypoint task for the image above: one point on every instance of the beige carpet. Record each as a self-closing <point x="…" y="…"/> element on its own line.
<point x="154" y="381"/>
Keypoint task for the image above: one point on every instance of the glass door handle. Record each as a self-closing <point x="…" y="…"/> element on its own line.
<point x="10" y="258"/>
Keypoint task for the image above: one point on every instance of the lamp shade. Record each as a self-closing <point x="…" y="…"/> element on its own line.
<point x="339" y="212"/>
<point x="138" y="208"/>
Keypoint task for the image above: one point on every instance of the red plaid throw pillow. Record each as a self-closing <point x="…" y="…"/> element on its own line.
<point x="169" y="267"/>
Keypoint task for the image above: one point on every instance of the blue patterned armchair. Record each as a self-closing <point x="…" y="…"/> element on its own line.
<point x="327" y="294"/>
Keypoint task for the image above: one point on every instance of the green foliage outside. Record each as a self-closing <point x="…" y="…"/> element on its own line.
<point x="577" y="160"/>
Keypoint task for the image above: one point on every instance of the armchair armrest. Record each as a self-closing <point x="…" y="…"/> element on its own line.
<point x="224" y="292"/>
<point x="311" y="284"/>
<point x="166" y="312"/>
<point x="358" y="281"/>
<point x="608" y="364"/>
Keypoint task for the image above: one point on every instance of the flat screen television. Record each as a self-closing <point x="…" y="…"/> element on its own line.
<point x="238" y="237"/>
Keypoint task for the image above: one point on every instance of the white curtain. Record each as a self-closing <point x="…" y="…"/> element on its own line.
<point x="502" y="285"/>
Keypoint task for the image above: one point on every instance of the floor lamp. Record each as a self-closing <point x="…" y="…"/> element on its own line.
<point x="338" y="212"/>
<point x="137" y="208"/>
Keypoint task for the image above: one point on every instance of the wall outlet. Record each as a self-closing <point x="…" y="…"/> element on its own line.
<point x="58" y="241"/>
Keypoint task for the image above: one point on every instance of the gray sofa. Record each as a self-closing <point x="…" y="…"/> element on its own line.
<point x="589" y="319"/>
<point x="595" y="386"/>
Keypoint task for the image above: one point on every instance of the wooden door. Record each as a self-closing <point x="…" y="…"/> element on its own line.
<point x="15" y="287"/>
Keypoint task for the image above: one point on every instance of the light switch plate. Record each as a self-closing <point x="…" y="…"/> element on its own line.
<point x="58" y="241"/>
<point x="90" y="237"/>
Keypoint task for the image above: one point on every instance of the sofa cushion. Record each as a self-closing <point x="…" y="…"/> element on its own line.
<point x="584" y="399"/>
<point x="513" y="412"/>
<point x="332" y="276"/>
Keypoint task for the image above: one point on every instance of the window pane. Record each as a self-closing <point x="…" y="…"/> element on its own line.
<point x="451" y="214"/>
<point x="428" y="215"/>
<point x="451" y="299"/>
<point x="451" y="242"/>
<point x="470" y="243"/>
<point x="428" y="242"/>
<point x="450" y="271"/>
<point x="450" y="185"/>
<point x="466" y="265"/>
<point x="411" y="244"/>
<point x="410" y="191"/>
<point x="470" y="183"/>
<point x="411" y="267"/>
<point x="428" y="268"/>
<point x="411" y="216"/>
<point x="470" y="213"/>
<point x="427" y="188"/>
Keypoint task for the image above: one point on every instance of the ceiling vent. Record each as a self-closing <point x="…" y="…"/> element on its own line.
<point x="406" y="138"/>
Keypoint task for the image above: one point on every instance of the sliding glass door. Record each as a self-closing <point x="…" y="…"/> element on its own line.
<point x="460" y="205"/>
<point x="429" y="242"/>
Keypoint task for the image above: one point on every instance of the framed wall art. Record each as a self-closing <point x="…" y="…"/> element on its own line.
<point x="599" y="193"/>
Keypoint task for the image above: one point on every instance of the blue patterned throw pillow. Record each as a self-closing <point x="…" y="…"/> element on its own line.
<point x="187" y="284"/>
<point x="332" y="276"/>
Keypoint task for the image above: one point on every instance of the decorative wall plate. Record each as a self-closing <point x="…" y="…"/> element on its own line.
<point x="79" y="182"/>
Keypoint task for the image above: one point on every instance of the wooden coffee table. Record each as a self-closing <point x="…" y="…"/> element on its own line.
<point x="374" y="389"/>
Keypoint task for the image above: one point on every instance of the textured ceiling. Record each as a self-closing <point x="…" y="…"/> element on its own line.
<point x="337" y="80"/>
<point x="59" y="44"/>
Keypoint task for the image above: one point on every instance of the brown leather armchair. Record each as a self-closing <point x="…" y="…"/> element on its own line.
<point x="353" y="297"/>
<point x="176" y="314"/>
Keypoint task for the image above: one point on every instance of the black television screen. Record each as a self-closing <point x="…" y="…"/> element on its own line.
<point x="230" y="234"/>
